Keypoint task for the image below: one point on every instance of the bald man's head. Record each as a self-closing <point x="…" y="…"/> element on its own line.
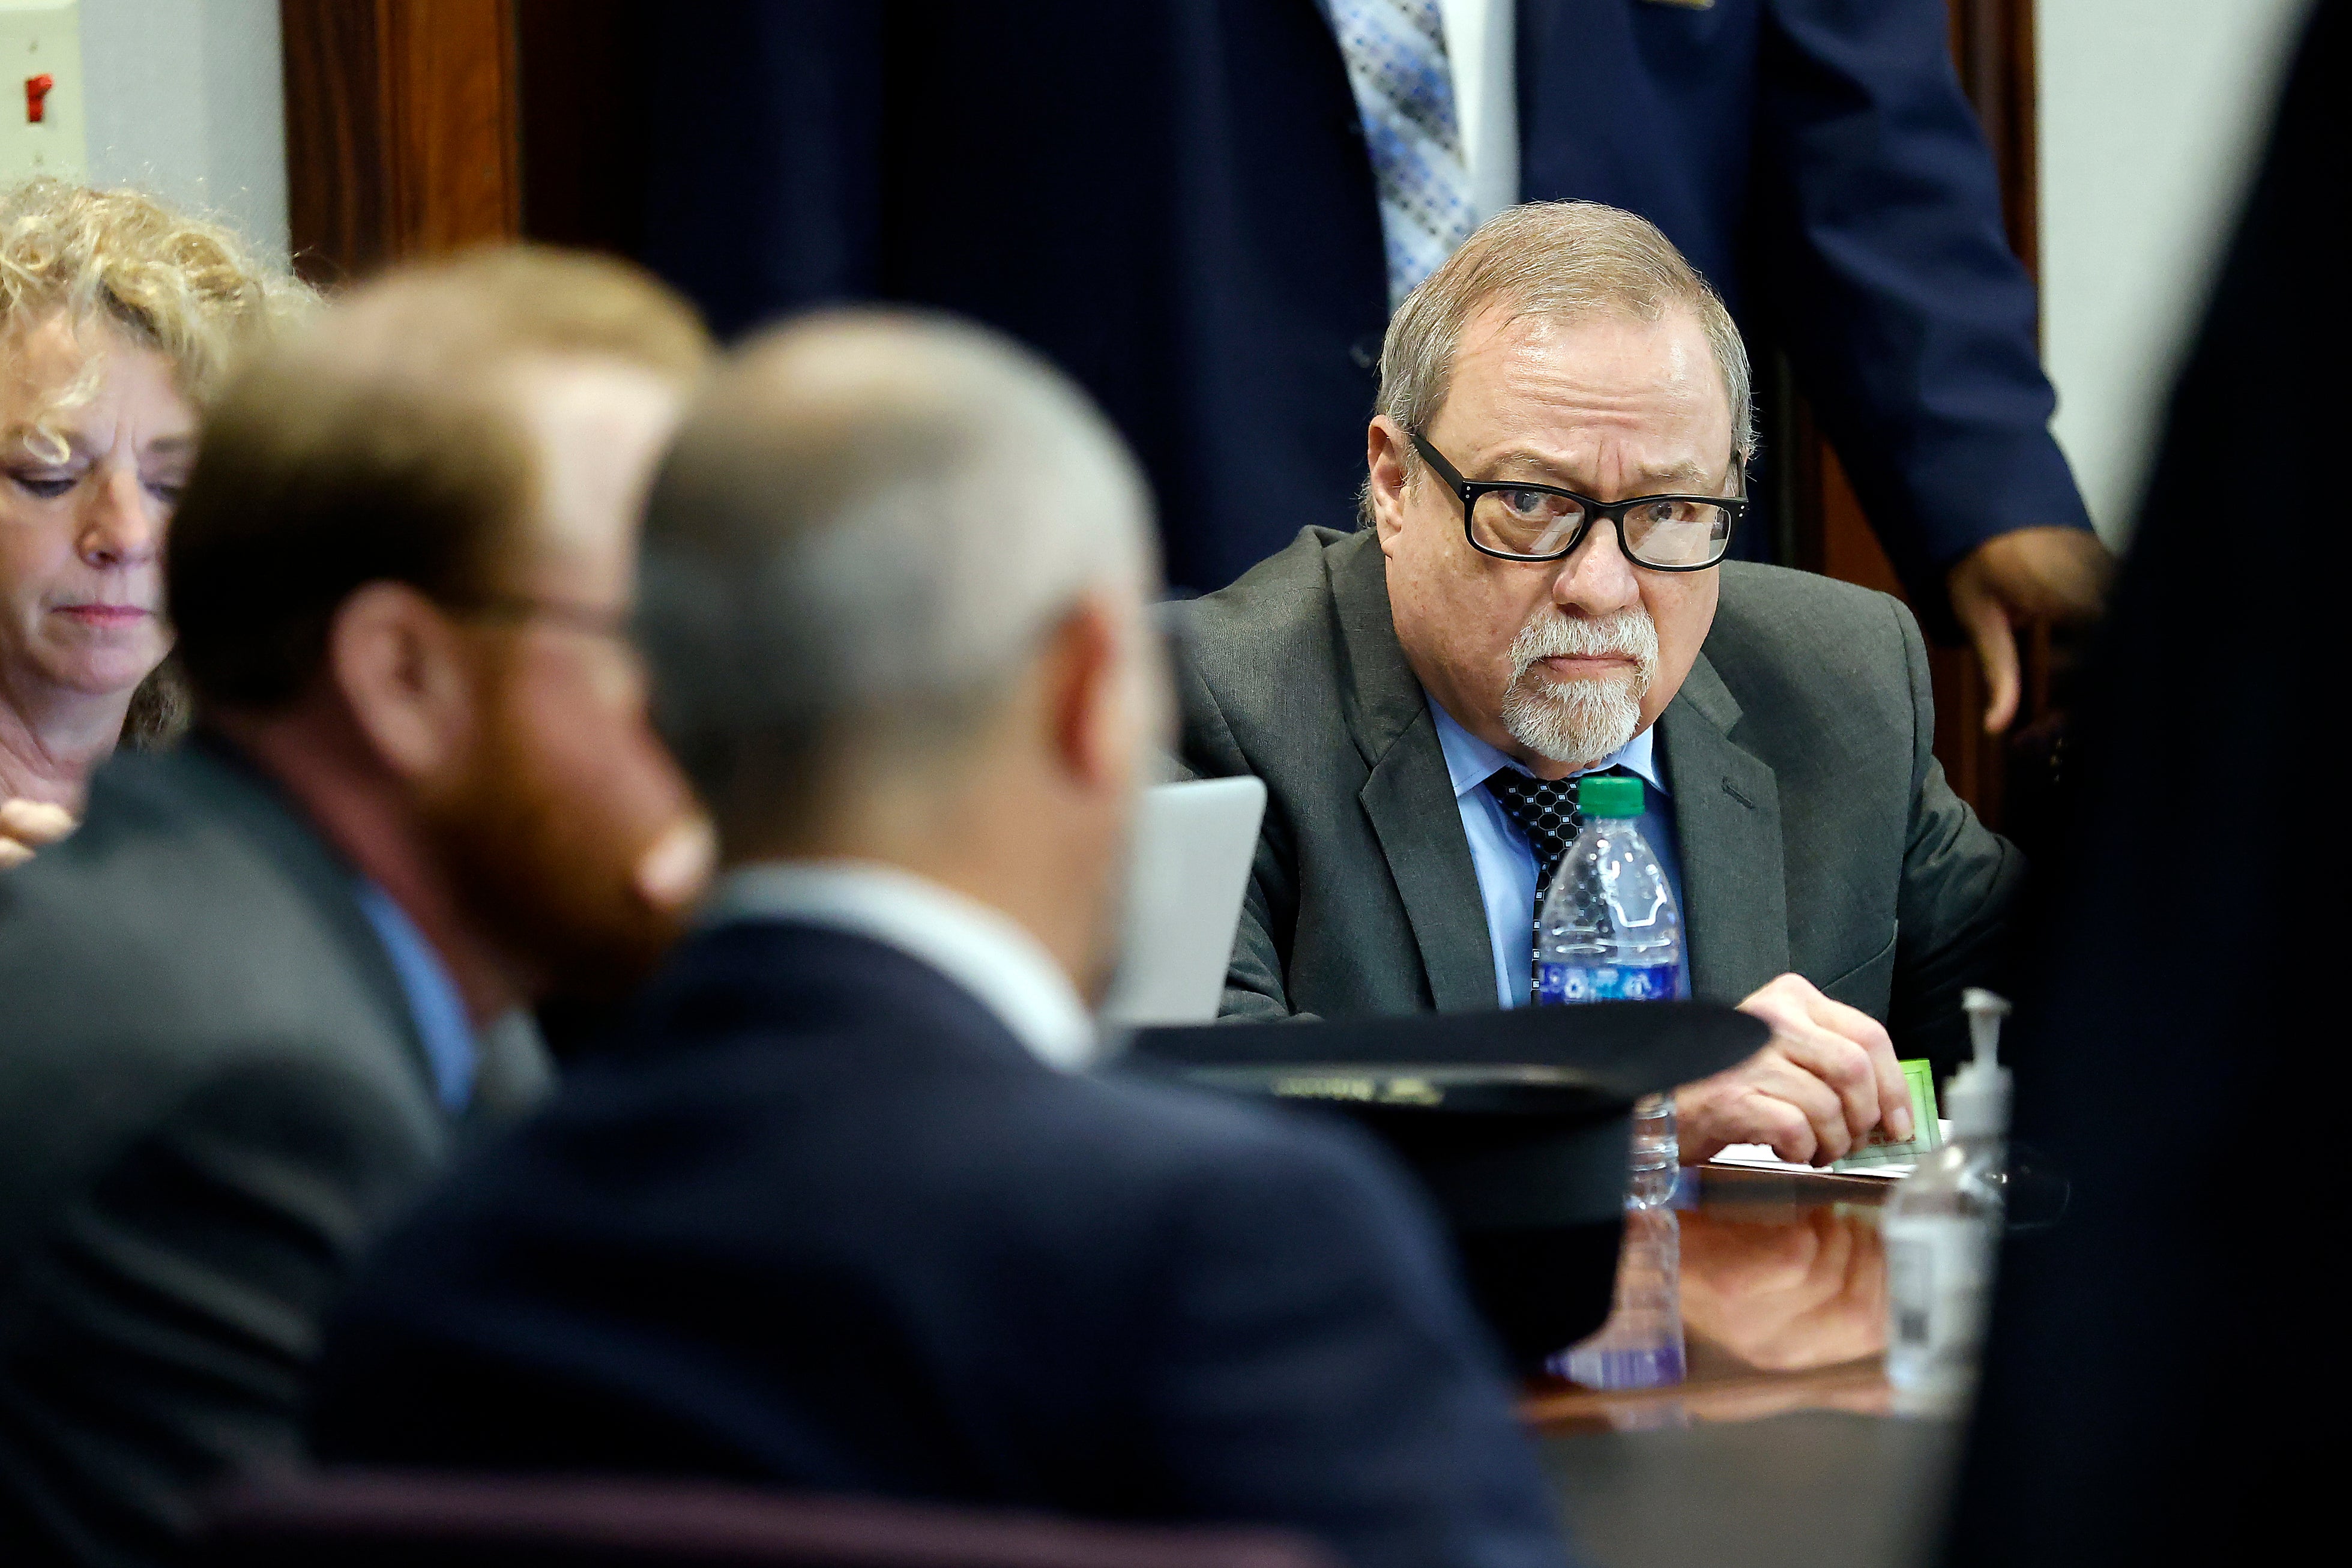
<point x="868" y="523"/>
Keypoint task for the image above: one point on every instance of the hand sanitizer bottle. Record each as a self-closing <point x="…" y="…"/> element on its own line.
<point x="1942" y="1225"/>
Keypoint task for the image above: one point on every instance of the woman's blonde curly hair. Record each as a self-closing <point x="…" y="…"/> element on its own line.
<point x="186" y="287"/>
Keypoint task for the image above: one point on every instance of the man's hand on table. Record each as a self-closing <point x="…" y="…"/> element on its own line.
<point x="2025" y="575"/>
<point x="27" y="825"/>
<point x="1827" y="1076"/>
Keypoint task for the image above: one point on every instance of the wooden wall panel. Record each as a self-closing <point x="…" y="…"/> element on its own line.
<point x="401" y="130"/>
<point x="452" y="104"/>
<point x="335" y="187"/>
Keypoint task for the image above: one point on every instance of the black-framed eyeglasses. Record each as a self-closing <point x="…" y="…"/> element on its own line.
<point x="1512" y="519"/>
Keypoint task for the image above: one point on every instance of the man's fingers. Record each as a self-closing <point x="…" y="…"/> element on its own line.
<point x="1786" y="1128"/>
<point x="1834" y="1062"/>
<point x="12" y="853"/>
<point x="1764" y="1099"/>
<point x="1894" y="1090"/>
<point x="1840" y="1069"/>
<point x="1781" y="1079"/>
<point x="1843" y="1047"/>
<point x="1995" y="638"/>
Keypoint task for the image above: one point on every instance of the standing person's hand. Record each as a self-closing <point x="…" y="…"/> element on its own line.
<point x="2015" y="579"/>
<point x="1827" y="1076"/>
<point x="27" y="825"/>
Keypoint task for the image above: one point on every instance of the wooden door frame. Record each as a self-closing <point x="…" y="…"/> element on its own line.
<point x="402" y="130"/>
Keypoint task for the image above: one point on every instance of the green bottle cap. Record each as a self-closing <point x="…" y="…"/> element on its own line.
<point x="1609" y="795"/>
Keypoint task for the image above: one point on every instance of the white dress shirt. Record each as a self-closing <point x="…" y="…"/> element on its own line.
<point x="986" y="952"/>
<point x="1479" y="48"/>
<point x="1505" y="863"/>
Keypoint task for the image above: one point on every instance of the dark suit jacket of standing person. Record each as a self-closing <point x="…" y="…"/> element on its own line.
<point x="2162" y="1358"/>
<point x="1816" y="831"/>
<point x="1173" y="200"/>
<point x="211" y="1096"/>
<point x="822" y="1219"/>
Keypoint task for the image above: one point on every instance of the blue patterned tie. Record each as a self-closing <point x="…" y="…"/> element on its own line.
<point x="1404" y="93"/>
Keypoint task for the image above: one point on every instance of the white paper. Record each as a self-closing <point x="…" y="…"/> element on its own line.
<point x="1759" y="1157"/>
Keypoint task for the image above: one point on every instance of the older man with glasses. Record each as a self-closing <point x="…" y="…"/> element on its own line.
<point x="1538" y="593"/>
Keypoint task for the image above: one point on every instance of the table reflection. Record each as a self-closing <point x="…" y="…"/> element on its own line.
<point x="1640" y="1346"/>
<point x="1786" y="1296"/>
<point x="1761" y="1296"/>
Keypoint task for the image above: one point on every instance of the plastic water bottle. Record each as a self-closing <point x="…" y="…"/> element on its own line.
<point x="1943" y="1224"/>
<point x="1611" y="932"/>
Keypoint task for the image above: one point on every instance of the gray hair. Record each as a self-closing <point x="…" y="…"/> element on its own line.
<point x="1551" y="258"/>
<point x="870" y="519"/>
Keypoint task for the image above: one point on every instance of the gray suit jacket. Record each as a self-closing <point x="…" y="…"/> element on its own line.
<point x="211" y="1096"/>
<point x="1817" y="832"/>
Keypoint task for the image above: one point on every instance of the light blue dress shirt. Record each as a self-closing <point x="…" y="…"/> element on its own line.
<point x="1504" y="862"/>
<point x="433" y="1000"/>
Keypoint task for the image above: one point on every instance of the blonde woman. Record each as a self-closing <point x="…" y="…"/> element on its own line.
<point x="119" y="316"/>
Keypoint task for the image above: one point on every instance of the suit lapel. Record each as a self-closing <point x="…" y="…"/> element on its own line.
<point x="1727" y="820"/>
<point x="1409" y="798"/>
<point x="1409" y="801"/>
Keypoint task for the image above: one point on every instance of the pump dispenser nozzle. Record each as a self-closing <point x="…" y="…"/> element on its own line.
<point x="1978" y="1095"/>
<point x="1984" y="1011"/>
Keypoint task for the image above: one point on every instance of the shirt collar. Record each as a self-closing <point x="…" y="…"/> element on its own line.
<point x="1471" y="762"/>
<point x="980" y="949"/>
<point x="434" y="1003"/>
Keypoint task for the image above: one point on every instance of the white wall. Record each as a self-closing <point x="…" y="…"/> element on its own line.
<point x="2151" y="114"/>
<point x="185" y="99"/>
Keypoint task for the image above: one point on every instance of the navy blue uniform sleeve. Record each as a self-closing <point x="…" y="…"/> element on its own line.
<point x="1322" y="1370"/>
<point x="1911" y="323"/>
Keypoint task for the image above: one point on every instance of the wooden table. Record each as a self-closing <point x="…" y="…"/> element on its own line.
<point x="1783" y="1289"/>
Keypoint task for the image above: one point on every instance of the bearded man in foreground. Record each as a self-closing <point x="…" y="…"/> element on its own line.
<point x="1555" y="470"/>
<point x="280" y="977"/>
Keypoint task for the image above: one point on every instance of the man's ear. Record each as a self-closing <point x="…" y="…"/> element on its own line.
<point x="1385" y="479"/>
<point x="1096" y="711"/>
<point x="401" y="669"/>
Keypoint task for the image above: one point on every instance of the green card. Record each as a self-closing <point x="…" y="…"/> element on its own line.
<point x="1928" y="1133"/>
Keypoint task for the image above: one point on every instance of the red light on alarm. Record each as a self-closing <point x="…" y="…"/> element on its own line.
<point x="36" y="97"/>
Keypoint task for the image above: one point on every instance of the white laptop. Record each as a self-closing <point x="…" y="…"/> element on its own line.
<point x="1192" y="852"/>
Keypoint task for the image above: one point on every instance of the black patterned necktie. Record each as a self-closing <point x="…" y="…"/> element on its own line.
<point x="1546" y="811"/>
